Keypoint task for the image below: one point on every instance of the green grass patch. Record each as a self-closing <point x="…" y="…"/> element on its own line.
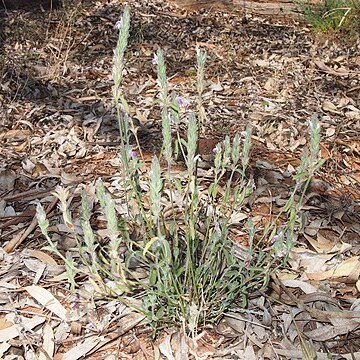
<point x="333" y="16"/>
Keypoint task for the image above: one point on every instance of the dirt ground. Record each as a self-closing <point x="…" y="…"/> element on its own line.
<point x="58" y="126"/>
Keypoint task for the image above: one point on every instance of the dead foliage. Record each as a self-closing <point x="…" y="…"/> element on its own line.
<point x="58" y="127"/>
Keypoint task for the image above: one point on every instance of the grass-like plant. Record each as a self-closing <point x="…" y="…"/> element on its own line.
<point x="172" y="248"/>
<point x="333" y="15"/>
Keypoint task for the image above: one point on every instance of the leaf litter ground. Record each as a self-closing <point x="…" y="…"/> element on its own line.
<point x="58" y="126"/>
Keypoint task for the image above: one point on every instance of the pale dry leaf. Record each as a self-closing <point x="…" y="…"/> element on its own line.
<point x="349" y="269"/>
<point x="236" y="322"/>
<point x="48" y="343"/>
<point x="8" y="210"/>
<point x="328" y="332"/>
<point x="56" y="273"/>
<point x="330" y="107"/>
<point x="35" y="266"/>
<point x="249" y="353"/>
<point x="313" y="228"/>
<point x="271" y="85"/>
<point x="141" y="116"/>
<point x="62" y="331"/>
<point x="32" y="264"/>
<point x="297" y="354"/>
<point x="236" y="218"/>
<point x="260" y="332"/>
<point x="267" y="318"/>
<point x="353" y="115"/>
<point x="261" y="63"/>
<point x="165" y="348"/>
<point x="68" y="179"/>
<point x="4" y="347"/>
<point x="15" y="136"/>
<point x="8" y="285"/>
<point x="343" y="102"/>
<point x="179" y="346"/>
<point x="348" y="318"/>
<point x="352" y="108"/>
<point x="45" y="298"/>
<point x="303" y="285"/>
<point x="296" y="144"/>
<point x="111" y="357"/>
<point x="28" y="165"/>
<point x="132" y="319"/>
<point x="83" y="348"/>
<point x="287" y="275"/>
<point x="39" y="273"/>
<point x="157" y="353"/>
<point x="308" y="260"/>
<point x="2" y="208"/>
<point x="24" y="323"/>
<point x="216" y="87"/>
<point x="330" y="131"/>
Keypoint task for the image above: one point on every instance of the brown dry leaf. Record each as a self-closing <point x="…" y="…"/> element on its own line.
<point x="4" y="324"/>
<point x="42" y="256"/>
<point x="45" y="298"/>
<point x="15" y="136"/>
<point x="7" y="180"/>
<point x="319" y="246"/>
<point x="69" y="179"/>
